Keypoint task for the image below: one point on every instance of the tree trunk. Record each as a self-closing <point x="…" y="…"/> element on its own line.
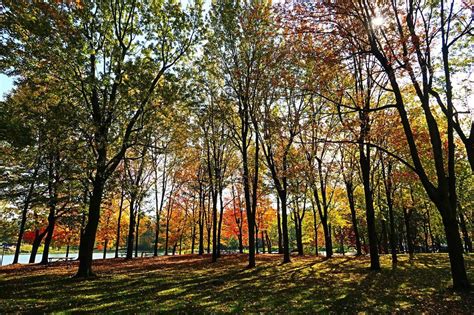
<point x="221" y="214"/>
<point x="458" y="271"/>
<point x="159" y="207"/>
<point x="256" y="238"/>
<point x="299" y="238"/>
<point x="406" y="216"/>
<point x="136" y="232"/>
<point x="387" y="181"/>
<point x="208" y="228"/>
<point x="393" y="242"/>
<point x="105" y="249"/>
<point x="201" y="238"/>
<point x="86" y="246"/>
<point x="465" y="234"/>
<point x="49" y="236"/>
<point x="202" y="200"/>
<point x="269" y="243"/>
<point x="248" y="200"/>
<point x="36" y="244"/>
<point x="214" y="225"/>
<point x="327" y="238"/>
<point x="341" y="244"/>
<point x="384" y="237"/>
<point x="315" y="225"/>
<point x="350" y="198"/>
<point x="284" y="219"/>
<point x="280" y="245"/>
<point x="131" y="227"/>
<point x="193" y="236"/>
<point x="241" y="242"/>
<point x="24" y="212"/>
<point x="369" y="204"/>
<point x="167" y="233"/>
<point x="117" y="238"/>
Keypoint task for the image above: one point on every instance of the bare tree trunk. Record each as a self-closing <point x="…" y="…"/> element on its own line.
<point x="350" y="198"/>
<point x="117" y="238"/>
<point x="24" y="212"/>
<point x="407" y="216"/>
<point x="36" y="244"/>
<point x="280" y="245"/>
<point x="465" y="234"/>
<point x="104" y="255"/>
<point x="131" y="226"/>
<point x="137" y="229"/>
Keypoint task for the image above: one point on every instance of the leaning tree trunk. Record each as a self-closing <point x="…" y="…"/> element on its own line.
<point x="49" y="237"/>
<point x="36" y="244"/>
<point x="24" y="212"/>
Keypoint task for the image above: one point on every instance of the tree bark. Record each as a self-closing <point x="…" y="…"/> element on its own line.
<point x="117" y="238"/>
<point x="350" y="198"/>
<point x="136" y="232"/>
<point x="24" y="212"/>
<point x="104" y="255"/>
<point x="280" y="245"/>
<point x="131" y="226"/>
<point x="36" y="244"/>
<point x="407" y="216"/>
<point x="49" y="237"/>
<point x="86" y="246"/>
<point x="465" y="234"/>
<point x="369" y="204"/>
<point x="456" y="258"/>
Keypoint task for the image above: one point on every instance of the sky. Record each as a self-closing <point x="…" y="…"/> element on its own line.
<point x="6" y="84"/>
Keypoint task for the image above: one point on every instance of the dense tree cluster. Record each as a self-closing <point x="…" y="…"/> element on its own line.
<point x="175" y="128"/>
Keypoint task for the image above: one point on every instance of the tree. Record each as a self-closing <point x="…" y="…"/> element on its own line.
<point x="235" y="43"/>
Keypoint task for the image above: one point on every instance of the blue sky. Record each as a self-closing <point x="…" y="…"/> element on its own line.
<point x="6" y="84"/>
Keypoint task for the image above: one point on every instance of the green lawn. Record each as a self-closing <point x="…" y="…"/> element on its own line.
<point x="193" y="284"/>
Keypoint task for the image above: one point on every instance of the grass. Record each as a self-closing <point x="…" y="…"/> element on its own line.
<point x="193" y="284"/>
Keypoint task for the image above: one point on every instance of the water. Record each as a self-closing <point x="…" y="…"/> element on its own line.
<point x="24" y="258"/>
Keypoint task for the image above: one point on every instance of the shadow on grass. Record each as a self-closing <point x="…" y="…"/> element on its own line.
<point x="193" y="284"/>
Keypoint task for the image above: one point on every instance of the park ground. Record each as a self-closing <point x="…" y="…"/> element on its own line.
<point x="193" y="284"/>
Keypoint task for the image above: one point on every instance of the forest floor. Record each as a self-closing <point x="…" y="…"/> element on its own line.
<point x="193" y="284"/>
